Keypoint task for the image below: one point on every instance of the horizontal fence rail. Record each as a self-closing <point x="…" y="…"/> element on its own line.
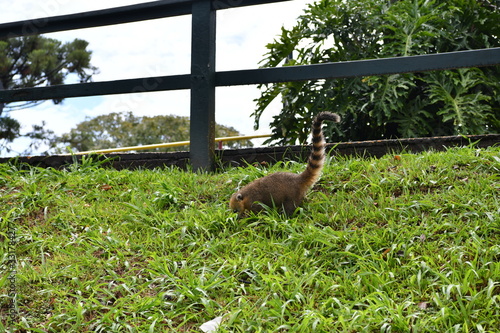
<point x="168" y="145"/>
<point x="382" y="66"/>
<point x="203" y="78"/>
<point x="112" y="16"/>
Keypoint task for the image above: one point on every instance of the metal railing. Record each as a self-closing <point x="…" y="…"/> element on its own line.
<point x="169" y="145"/>
<point x="203" y="78"/>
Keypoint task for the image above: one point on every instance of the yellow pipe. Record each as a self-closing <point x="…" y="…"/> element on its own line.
<point x="167" y="145"/>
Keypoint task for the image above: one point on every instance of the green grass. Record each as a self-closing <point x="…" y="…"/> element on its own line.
<point x="406" y="244"/>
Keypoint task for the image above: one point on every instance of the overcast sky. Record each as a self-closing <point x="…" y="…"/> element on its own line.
<point x="156" y="48"/>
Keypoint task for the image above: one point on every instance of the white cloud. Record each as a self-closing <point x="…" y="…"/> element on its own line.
<point x="155" y="48"/>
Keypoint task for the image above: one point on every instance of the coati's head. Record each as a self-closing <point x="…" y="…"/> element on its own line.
<point x="237" y="203"/>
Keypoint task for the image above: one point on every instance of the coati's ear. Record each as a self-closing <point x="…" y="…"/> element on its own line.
<point x="239" y="196"/>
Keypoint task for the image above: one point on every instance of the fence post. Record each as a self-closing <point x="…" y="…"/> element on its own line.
<point x="202" y="129"/>
<point x="2" y="105"/>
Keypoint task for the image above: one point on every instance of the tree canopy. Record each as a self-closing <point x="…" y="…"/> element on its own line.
<point x="125" y="129"/>
<point x="36" y="61"/>
<point x="463" y="101"/>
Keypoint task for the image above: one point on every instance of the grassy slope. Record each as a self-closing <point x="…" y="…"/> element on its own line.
<point x="407" y="244"/>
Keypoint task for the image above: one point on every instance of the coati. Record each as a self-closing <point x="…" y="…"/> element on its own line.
<point x="285" y="189"/>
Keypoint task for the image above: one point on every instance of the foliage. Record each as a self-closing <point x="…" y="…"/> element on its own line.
<point x="406" y="244"/>
<point x="10" y="129"/>
<point x="464" y="101"/>
<point x="125" y="130"/>
<point x="36" y="61"/>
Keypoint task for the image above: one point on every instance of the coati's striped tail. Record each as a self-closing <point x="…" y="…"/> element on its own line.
<point x="317" y="156"/>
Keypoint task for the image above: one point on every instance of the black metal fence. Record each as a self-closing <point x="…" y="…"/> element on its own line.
<point x="203" y="78"/>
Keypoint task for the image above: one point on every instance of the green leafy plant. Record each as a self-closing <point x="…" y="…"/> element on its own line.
<point x="461" y="99"/>
<point x="449" y="102"/>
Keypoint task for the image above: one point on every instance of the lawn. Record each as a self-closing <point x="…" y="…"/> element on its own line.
<point x="403" y="243"/>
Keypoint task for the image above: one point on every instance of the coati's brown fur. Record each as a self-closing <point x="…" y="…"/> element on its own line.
<point x="285" y="189"/>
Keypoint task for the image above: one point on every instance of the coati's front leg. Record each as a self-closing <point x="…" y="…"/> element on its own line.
<point x="289" y="207"/>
